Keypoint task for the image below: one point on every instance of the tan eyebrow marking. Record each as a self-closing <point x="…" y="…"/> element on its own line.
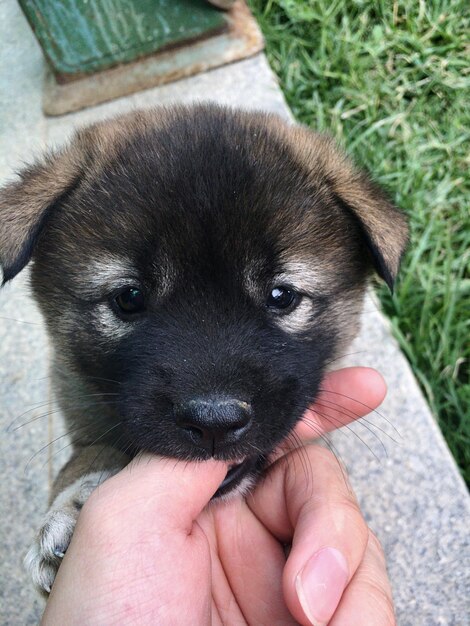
<point x="104" y="273"/>
<point x="302" y="275"/>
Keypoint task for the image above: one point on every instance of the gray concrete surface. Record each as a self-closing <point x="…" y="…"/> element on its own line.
<point x="411" y="492"/>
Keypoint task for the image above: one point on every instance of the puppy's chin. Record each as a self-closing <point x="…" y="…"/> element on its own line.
<point x="240" y="478"/>
<point x="241" y="490"/>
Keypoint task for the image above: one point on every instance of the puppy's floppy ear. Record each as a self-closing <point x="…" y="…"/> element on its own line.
<point x="27" y="203"/>
<point x="383" y="225"/>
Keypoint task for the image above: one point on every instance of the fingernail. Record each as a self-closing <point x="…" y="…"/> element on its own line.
<point x="320" y="585"/>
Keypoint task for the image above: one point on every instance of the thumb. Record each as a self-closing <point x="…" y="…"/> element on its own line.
<point x="171" y="490"/>
<point x="136" y="525"/>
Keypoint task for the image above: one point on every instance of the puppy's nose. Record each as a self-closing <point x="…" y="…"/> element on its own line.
<point x="214" y="423"/>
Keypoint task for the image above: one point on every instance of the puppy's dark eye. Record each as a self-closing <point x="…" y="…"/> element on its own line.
<point x="130" y="300"/>
<point x="281" y="298"/>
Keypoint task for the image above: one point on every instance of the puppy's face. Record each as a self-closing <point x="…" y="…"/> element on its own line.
<point x="197" y="270"/>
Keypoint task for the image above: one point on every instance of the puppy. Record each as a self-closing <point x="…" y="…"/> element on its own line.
<point x="197" y="269"/>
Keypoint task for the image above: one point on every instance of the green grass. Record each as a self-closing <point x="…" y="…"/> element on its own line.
<point x="391" y="81"/>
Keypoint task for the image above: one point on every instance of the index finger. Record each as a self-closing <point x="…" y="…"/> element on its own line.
<point x="345" y="396"/>
<point x="368" y="596"/>
<point x="306" y="499"/>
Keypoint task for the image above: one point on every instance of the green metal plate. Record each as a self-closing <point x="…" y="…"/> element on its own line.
<point x="86" y="36"/>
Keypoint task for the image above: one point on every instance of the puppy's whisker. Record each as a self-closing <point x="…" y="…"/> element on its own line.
<point x="257" y="449"/>
<point x="369" y="408"/>
<point x="106" y="380"/>
<point x="67" y="445"/>
<point x="106" y="432"/>
<point x="353" y="413"/>
<point x="52" y="412"/>
<point x="127" y="448"/>
<point x="291" y="445"/>
<point x="348" y="414"/>
<point x="115" y="442"/>
<point x="330" y="445"/>
<point x="342" y="408"/>
<point x="344" y="356"/>
<point x="51" y="376"/>
<point x="12" y="319"/>
<point x="304" y="461"/>
<point x="34" y="408"/>
<point x="47" y="402"/>
<point x="69" y="434"/>
<point x="360" y="420"/>
<point x="294" y="442"/>
<point x="50" y="444"/>
<point x="336" y="421"/>
<point x="87" y="396"/>
<point x="95" y="441"/>
<point x="97" y="428"/>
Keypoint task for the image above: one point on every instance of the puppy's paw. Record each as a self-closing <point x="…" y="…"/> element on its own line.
<point x="45" y="555"/>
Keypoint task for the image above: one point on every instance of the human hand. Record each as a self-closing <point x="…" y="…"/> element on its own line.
<point x="147" y="549"/>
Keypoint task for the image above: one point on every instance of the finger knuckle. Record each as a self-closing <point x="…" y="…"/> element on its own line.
<point x="376" y="547"/>
<point x="325" y="464"/>
<point x="380" y="603"/>
<point x="387" y="610"/>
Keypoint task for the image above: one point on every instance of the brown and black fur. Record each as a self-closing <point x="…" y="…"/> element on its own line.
<point x="206" y="210"/>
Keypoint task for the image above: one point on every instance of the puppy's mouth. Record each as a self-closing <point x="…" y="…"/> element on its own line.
<point x="237" y="471"/>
